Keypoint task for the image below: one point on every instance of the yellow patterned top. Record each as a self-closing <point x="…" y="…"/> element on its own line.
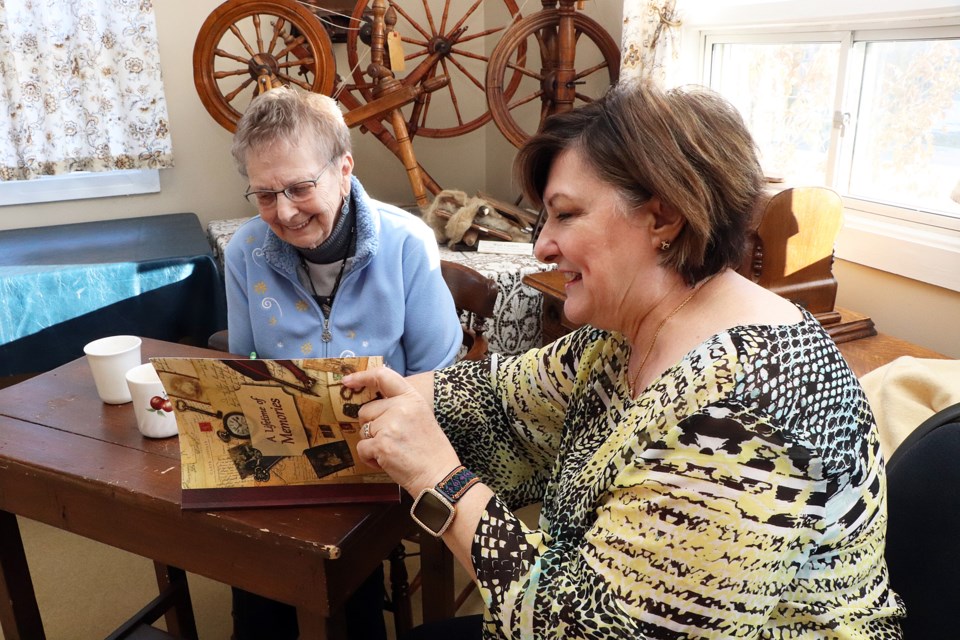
<point x="741" y="495"/>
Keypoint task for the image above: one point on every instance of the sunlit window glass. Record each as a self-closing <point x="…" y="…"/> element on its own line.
<point x="907" y="141"/>
<point x="785" y="93"/>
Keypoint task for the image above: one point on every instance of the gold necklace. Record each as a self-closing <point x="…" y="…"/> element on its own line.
<point x="656" y="334"/>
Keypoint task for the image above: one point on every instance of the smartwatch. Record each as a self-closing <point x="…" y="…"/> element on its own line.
<point x="434" y="508"/>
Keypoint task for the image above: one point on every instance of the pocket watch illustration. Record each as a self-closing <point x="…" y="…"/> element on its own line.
<point x="236" y="426"/>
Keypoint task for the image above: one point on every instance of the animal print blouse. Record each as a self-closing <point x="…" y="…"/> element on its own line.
<point x="742" y="494"/>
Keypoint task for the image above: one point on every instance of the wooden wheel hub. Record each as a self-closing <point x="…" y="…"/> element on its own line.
<point x="549" y="84"/>
<point x="440" y="44"/>
<point x="263" y="63"/>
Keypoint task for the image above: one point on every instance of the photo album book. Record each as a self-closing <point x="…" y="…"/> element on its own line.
<point x="259" y="433"/>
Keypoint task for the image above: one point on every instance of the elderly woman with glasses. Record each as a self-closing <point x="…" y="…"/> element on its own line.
<point x="326" y="271"/>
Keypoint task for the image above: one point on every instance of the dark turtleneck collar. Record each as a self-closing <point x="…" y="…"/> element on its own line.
<point x="338" y="245"/>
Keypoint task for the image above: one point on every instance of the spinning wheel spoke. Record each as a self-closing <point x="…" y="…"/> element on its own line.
<point x="249" y="32"/>
<point x="295" y="63"/>
<point x="276" y="35"/>
<point x="585" y="98"/>
<point x="522" y="101"/>
<point x="291" y="46"/>
<point x="529" y="50"/>
<point x="429" y="14"/>
<point x="466" y="16"/>
<point x="233" y="94"/>
<point x="469" y="54"/>
<point x="453" y="94"/>
<point x="256" y="29"/>
<point x="291" y="80"/>
<point x="464" y="71"/>
<point x="592" y="70"/>
<point x="422" y="115"/>
<point x="481" y="34"/>
<point x="220" y="53"/>
<point x="243" y="41"/>
<point x="455" y="40"/>
<point x="530" y="73"/>
<point x="219" y="75"/>
<point x="413" y="23"/>
<point x="416" y="43"/>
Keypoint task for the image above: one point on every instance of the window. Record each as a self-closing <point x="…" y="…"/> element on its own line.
<point x="873" y="113"/>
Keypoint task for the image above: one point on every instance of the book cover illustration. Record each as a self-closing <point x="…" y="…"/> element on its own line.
<point x="270" y="432"/>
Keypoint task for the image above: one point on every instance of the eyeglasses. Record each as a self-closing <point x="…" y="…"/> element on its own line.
<point x="296" y="192"/>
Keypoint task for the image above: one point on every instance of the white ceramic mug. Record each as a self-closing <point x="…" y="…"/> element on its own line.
<point x="154" y="411"/>
<point x="110" y="358"/>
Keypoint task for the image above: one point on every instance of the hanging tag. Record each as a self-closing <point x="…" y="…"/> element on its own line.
<point x="395" y="49"/>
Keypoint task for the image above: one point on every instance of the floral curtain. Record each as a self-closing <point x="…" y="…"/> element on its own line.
<point x="650" y="46"/>
<point x="81" y="88"/>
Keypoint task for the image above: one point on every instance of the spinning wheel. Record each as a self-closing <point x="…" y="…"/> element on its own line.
<point x="248" y="46"/>
<point x="543" y="47"/>
<point x="440" y="41"/>
<point x="244" y="41"/>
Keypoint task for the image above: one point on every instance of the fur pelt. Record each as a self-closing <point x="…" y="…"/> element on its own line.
<point x="452" y="214"/>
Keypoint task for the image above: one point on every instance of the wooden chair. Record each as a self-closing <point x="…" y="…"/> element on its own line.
<point x="173" y="602"/>
<point x="791" y="250"/>
<point x="474" y="296"/>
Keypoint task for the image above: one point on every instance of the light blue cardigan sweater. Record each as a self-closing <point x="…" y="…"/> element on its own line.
<point x="392" y="299"/>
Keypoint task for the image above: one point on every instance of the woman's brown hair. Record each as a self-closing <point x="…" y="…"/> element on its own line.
<point x="688" y="146"/>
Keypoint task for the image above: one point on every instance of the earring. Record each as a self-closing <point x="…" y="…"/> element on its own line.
<point x="664" y="245"/>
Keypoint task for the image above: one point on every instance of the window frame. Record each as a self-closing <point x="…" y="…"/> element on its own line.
<point x="910" y="242"/>
<point x="79" y="186"/>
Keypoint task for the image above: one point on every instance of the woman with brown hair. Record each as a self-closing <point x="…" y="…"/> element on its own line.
<point x="708" y="465"/>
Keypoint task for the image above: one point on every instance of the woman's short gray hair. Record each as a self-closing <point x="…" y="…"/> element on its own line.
<point x="293" y="117"/>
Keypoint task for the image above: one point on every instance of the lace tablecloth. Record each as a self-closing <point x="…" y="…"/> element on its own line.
<point x="516" y="324"/>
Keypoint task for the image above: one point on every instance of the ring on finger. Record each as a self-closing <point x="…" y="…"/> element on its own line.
<point x="365" y="431"/>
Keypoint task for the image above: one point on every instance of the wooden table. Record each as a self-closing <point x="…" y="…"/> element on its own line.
<point x="73" y="462"/>
<point x="863" y="348"/>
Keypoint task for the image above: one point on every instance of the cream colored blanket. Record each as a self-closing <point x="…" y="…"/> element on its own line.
<point x="905" y="392"/>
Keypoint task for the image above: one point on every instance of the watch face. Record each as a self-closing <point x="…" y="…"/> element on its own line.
<point x="432" y="512"/>
<point x="236" y="423"/>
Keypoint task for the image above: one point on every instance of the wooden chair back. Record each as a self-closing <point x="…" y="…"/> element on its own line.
<point x="474" y="295"/>
<point x="792" y="246"/>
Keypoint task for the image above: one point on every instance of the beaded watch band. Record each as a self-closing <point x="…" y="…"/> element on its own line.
<point x="457" y="483"/>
